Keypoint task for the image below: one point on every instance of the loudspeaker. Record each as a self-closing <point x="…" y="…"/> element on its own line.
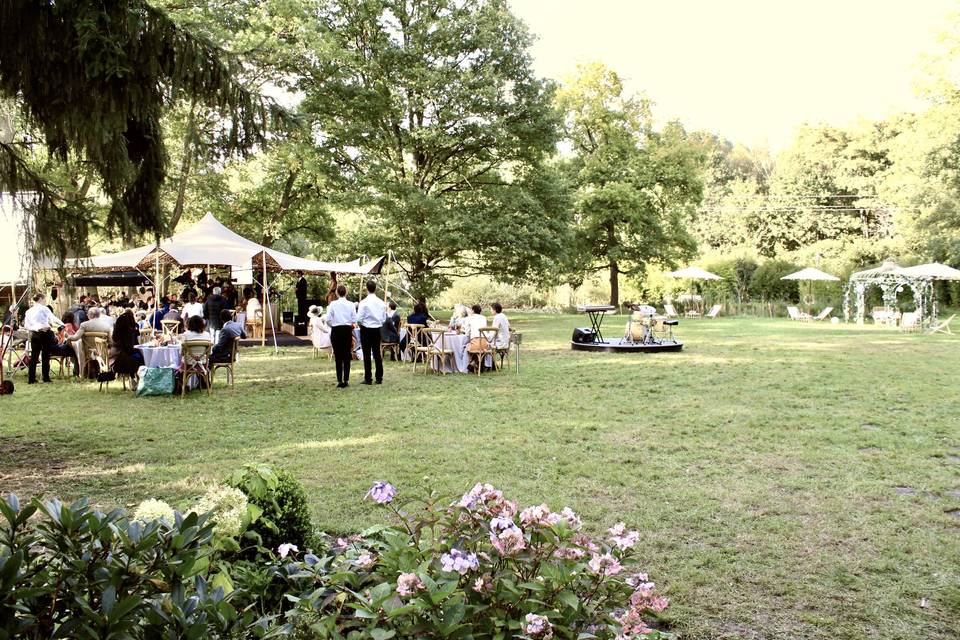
<point x="287" y="317"/>
<point x="300" y="329"/>
<point x="584" y="335"/>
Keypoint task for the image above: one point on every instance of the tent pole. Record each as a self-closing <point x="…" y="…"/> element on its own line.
<point x="386" y="279"/>
<point x="266" y="302"/>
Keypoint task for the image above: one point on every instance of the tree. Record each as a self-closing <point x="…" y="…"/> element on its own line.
<point x="636" y="188"/>
<point x="93" y="78"/>
<point x="431" y="122"/>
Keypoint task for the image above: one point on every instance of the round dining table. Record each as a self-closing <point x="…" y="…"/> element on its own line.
<point x="165" y="357"/>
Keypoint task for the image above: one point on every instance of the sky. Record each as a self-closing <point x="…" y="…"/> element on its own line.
<point x="750" y="70"/>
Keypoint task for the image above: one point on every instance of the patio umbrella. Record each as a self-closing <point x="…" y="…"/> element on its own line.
<point x="811" y="274"/>
<point x="694" y="273"/>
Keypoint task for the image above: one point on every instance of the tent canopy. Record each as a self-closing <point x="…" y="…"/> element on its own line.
<point x="811" y="274"/>
<point x="209" y="242"/>
<point x="694" y="273"/>
<point x="931" y="271"/>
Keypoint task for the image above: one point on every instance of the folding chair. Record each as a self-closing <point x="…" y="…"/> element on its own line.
<point x="714" y="311"/>
<point x="670" y="311"/>
<point x="823" y="315"/>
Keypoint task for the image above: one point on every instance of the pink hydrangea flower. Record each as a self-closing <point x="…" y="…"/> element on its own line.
<point x="584" y="542"/>
<point x="284" y="549"/>
<point x="569" y="553"/>
<point x="536" y="516"/>
<point x="459" y="562"/>
<point x="483" y="583"/>
<point x="408" y="584"/>
<point x="508" y="541"/>
<point x="537" y="626"/>
<point x="636" y="579"/>
<point x="364" y="560"/>
<point x="604" y="565"/>
<point x="632" y="623"/>
<point x="573" y="520"/>
<point x="484" y="497"/>
<point x="621" y="538"/>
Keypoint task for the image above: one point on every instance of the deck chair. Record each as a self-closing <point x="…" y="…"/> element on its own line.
<point x="910" y="321"/>
<point x="823" y="315"/>
<point x="714" y="311"/>
<point x="943" y="327"/>
<point x="226" y="365"/>
<point x="669" y="311"/>
<point x="796" y="314"/>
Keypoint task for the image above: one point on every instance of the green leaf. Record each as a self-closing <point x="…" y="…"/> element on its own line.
<point x="382" y="634"/>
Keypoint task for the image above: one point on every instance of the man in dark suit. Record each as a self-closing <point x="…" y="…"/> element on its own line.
<point x="211" y="311"/>
<point x="301" y="297"/>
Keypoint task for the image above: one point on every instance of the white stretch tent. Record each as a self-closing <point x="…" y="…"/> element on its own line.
<point x="210" y="243"/>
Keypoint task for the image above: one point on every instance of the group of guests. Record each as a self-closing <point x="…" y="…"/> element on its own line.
<point x="380" y="323"/>
<point x="51" y="336"/>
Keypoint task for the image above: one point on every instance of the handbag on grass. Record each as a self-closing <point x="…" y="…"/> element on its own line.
<point x="156" y="382"/>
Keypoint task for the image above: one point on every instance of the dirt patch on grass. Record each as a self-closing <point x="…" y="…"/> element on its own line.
<point x="28" y="468"/>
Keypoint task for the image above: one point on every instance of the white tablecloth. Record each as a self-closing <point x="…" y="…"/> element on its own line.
<point x="459" y="360"/>
<point x="161" y="357"/>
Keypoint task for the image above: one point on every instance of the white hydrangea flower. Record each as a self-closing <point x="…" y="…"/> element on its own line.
<point x="152" y="509"/>
<point x="228" y="506"/>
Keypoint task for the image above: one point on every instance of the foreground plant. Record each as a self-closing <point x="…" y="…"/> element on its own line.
<point x="476" y="568"/>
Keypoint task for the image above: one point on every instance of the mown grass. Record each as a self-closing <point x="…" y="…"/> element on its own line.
<point x="790" y="481"/>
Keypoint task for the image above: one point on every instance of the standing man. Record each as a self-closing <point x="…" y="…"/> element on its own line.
<point x="301" y="297"/>
<point x="38" y="321"/>
<point x="370" y="316"/>
<point x="341" y="315"/>
<point x="211" y="311"/>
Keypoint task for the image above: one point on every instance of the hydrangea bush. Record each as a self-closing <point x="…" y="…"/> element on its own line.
<point x="477" y="567"/>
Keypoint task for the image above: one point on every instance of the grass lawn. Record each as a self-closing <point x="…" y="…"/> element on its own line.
<point x="789" y="480"/>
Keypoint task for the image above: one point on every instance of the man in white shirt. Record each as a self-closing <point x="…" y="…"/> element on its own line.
<point x="341" y="314"/>
<point x="371" y="315"/>
<point x="192" y="308"/>
<point x="502" y="325"/>
<point x="38" y="321"/>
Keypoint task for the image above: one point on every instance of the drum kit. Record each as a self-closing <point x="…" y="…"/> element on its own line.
<point x="645" y="326"/>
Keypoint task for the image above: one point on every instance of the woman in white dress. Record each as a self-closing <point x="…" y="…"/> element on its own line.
<point x="319" y="329"/>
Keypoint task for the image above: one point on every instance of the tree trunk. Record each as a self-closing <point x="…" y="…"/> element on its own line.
<point x="185" y="167"/>
<point x="614" y="283"/>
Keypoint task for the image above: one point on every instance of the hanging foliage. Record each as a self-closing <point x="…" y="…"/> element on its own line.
<point x="94" y="77"/>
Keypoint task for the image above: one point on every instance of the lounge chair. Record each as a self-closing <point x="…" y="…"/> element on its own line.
<point x="823" y="315"/>
<point x="714" y="311"/>
<point x="669" y="311"/>
<point x="943" y="327"/>
<point x="910" y="321"/>
<point x="796" y="314"/>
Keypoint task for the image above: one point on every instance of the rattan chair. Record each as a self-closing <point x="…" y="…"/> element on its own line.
<point x="170" y="327"/>
<point x="195" y="359"/>
<point x="100" y="354"/>
<point x="413" y="339"/>
<point x="146" y="335"/>
<point x="226" y="365"/>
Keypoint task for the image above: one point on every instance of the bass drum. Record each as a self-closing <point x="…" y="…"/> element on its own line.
<point x="637" y="329"/>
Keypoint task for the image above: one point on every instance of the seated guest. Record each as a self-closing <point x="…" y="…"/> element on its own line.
<point x="173" y="313"/>
<point x="97" y="323"/>
<point x="192" y="308"/>
<point x="10" y="317"/>
<point x="112" y="320"/>
<point x="318" y="328"/>
<point x="419" y="316"/>
<point x="254" y="308"/>
<point x="159" y="312"/>
<point x="63" y="348"/>
<point x="459" y="316"/>
<point x="196" y="330"/>
<point x="474" y="322"/>
<point x="502" y="325"/>
<point x="124" y="355"/>
<point x="390" y="330"/>
<point x="230" y="330"/>
<point x="141" y="317"/>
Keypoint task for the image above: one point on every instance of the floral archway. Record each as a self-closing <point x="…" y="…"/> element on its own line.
<point x="891" y="279"/>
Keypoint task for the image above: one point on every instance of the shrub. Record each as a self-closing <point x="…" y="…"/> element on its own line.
<point x="75" y="572"/>
<point x="284" y="514"/>
<point x="768" y="286"/>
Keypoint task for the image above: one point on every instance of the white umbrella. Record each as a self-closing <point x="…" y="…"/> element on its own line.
<point x="811" y="274"/>
<point x="694" y="273"/>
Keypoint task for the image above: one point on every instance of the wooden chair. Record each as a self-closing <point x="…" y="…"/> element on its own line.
<point x="89" y="350"/>
<point x="146" y="335"/>
<point x="226" y="365"/>
<point x="413" y="339"/>
<point x="437" y="348"/>
<point x="170" y="327"/>
<point x="195" y="361"/>
<point x="392" y="347"/>
<point x="943" y="327"/>
<point x="255" y="324"/>
<point x="487" y="342"/>
<point x="910" y="321"/>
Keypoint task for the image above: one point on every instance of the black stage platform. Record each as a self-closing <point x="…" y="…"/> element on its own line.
<point x="616" y="345"/>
